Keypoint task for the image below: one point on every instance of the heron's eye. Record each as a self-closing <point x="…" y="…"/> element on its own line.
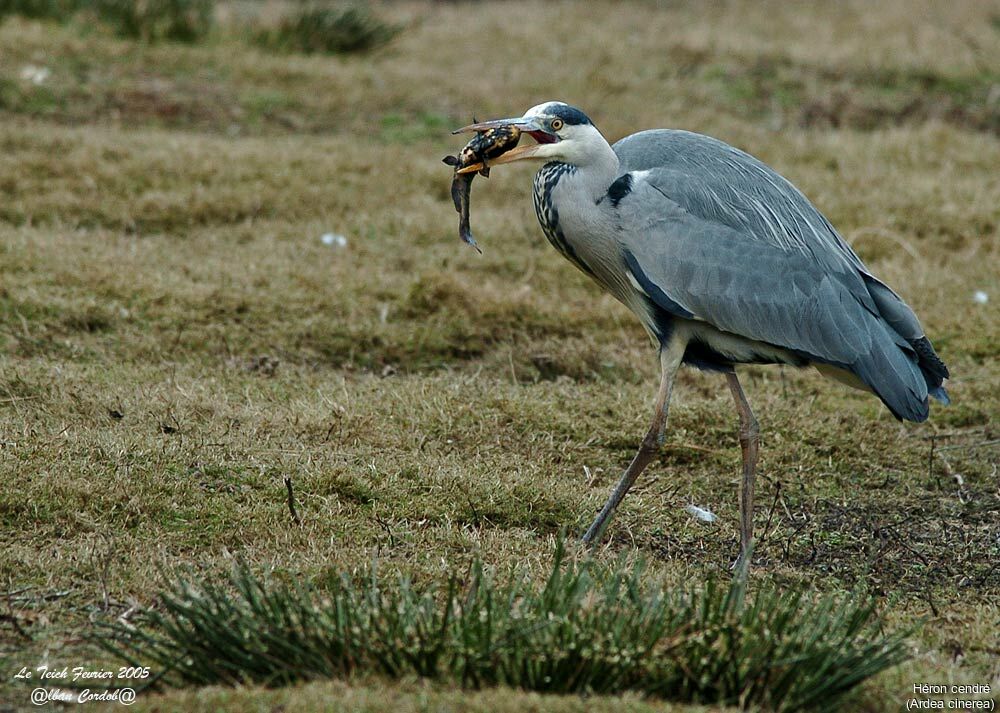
<point x="556" y="124"/>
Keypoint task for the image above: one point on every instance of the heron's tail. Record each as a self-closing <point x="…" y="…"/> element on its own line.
<point x="932" y="368"/>
<point x="902" y="366"/>
<point x="892" y="371"/>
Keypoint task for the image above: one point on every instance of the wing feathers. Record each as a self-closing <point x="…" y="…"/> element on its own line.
<point x="756" y="289"/>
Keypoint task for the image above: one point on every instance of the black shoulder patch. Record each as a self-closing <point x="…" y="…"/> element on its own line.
<point x="620" y="188"/>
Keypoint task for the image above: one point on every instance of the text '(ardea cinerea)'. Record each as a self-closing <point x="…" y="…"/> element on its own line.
<point x="724" y="262"/>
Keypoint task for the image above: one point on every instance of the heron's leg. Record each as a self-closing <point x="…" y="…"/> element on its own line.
<point x="670" y="360"/>
<point x="749" y="444"/>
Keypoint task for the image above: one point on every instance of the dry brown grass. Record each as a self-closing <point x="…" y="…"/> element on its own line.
<point x="160" y="228"/>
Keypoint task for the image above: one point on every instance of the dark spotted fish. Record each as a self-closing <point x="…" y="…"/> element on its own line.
<point x="483" y="147"/>
<point x="461" y="190"/>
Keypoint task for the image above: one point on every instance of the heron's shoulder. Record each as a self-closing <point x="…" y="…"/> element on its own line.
<point x="718" y="183"/>
<point x="700" y="171"/>
<point x="620" y="188"/>
<point x="627" y="187"/>
<point x="676" y="148"/>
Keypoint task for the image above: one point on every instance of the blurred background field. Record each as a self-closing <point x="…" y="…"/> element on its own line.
<point x="177" y="336"/>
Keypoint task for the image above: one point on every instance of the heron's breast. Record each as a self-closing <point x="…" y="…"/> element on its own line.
<point x="580" y="228"/>
<point x="547" y="212"/>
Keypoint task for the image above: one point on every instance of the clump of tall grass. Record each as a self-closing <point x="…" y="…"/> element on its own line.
<point x="39" y="9"/>
<point x="328" y="30"/>
<point x="588" y="629"/>
<point x="155" y="20"/>
<point x="147" y="20"/>
<point x="311" y="28"/>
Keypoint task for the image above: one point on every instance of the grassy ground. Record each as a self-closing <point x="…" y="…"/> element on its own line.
<point x="175" y="338"/>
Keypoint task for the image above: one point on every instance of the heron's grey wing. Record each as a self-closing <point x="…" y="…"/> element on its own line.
<point x="722" y="184"/>
<point x="741" y="282"/>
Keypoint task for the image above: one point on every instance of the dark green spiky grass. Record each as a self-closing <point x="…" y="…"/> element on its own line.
<point x="340" y="29"/>
<point x="589" y="628"/>
<point x="150" y="20"/>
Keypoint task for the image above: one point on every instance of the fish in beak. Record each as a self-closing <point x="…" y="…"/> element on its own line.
<point x="489" y="143"/>
<point x="495" y="142"/>
<point x="524" y="124"/>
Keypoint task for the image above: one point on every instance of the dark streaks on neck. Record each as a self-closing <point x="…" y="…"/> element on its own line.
<point x="548" y="215"/>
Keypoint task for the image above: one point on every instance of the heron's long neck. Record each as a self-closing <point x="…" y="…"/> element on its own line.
<point x="597" y="171"/>
<point x="569" y="207"/>
<point x="582" y="179"/>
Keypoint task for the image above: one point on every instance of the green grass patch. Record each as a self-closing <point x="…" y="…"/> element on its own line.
<point x="397" y="128"/>
<point x="150" y="20"/>
<point x="590" y="628"/>
<point x="329" y="30"/>
<point x="39" y="9"/>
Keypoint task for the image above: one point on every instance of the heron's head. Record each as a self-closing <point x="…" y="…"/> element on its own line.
<point x="561" y="132"/>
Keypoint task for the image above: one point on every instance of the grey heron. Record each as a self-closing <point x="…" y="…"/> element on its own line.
<point x="724" y="262"/>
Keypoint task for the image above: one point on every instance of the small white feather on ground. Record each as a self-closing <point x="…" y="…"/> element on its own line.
<point x="701" y="513"/>
<point x="333" y="239"/>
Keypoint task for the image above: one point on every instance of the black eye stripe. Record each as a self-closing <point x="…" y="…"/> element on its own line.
<point x="568" y="114"/>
